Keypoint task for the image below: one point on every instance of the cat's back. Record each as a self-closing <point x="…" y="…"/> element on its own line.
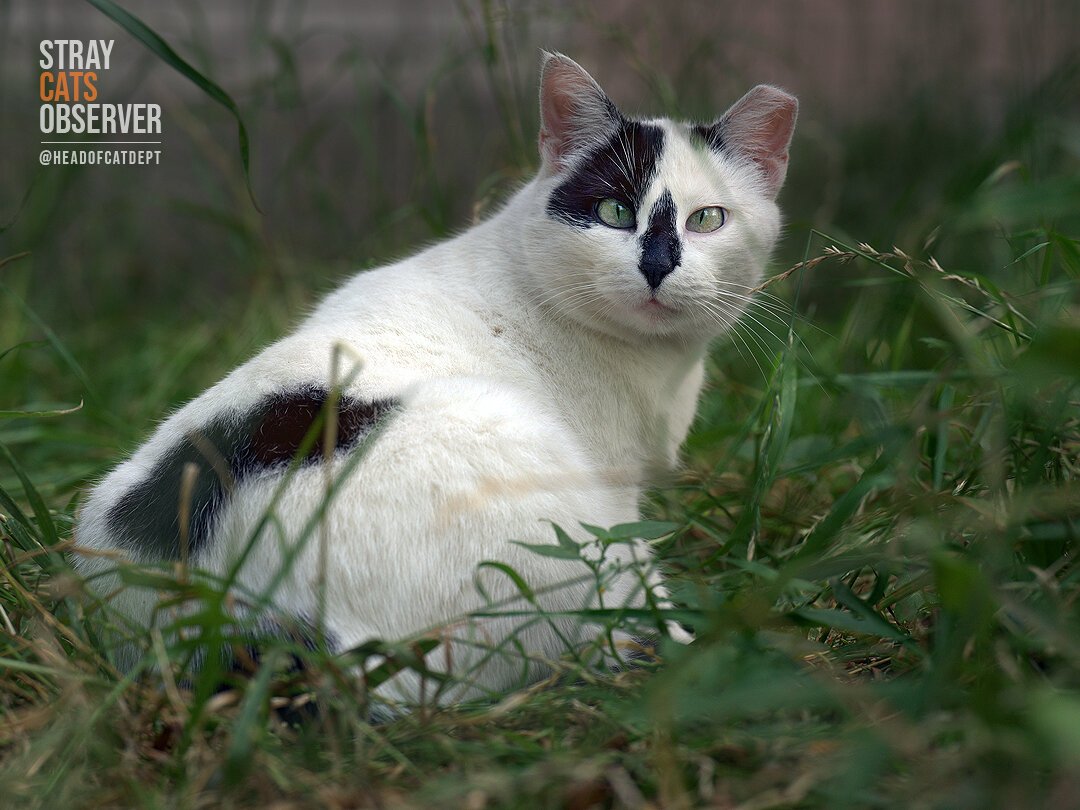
<point x="440" y="313"/>
<point x="381" y="339"/>
<point x="446" y="311"/>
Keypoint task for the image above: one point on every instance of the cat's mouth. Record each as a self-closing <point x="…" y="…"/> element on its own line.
<point x="655" y="306"/>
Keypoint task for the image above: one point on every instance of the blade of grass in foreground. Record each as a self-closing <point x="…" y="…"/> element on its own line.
<point x="41" y="511"/>
<point x="160" y="48"/>
<point x="28" y="414"/>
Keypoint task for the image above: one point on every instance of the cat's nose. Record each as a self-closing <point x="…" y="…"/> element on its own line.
<point x="660" y="246"/>
<point x="659" y="257"/>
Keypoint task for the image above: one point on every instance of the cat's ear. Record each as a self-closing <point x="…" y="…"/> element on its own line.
<point x="575" y="113"/>
<point x="759" y="126"/>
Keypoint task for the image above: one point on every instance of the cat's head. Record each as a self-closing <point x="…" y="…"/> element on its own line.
<point x="654" y="227"/>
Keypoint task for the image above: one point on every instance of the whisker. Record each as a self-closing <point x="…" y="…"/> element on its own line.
<point x="729" y="327"/>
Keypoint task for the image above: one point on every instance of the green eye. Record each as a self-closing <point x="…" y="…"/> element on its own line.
<point x="614" y="214"/>
<point x="706" y="220"/>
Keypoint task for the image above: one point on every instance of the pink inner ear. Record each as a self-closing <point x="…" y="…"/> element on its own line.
<point x="760" y="126"/>
<point x="573" y="109"/>
<point x="556" y="114"/>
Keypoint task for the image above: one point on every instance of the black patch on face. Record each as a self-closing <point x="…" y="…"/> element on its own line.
<point x="711" y="134"/>
<point x="225" y="452"/>
<point x="621" y="169"/>
<point x="661" y="249"/>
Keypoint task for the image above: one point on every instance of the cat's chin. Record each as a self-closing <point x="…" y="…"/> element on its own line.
<point x="656" y="317"/>
<point x="654" y="307"/>
<point x="648" y="317"/>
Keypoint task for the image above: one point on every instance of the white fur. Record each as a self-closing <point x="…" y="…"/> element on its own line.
<point x="537" y="386"/>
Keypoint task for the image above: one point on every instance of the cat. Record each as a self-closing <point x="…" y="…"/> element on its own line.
<point x="537" y="369"/>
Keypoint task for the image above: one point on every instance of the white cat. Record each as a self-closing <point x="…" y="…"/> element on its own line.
<point x="539" y="368"/>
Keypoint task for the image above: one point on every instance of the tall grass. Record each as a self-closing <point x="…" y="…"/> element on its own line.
<point x="874" y="533"/>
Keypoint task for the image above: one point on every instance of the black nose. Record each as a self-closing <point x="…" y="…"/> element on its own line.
<point x="658" y="258"/>
<point x="660" y="248"/>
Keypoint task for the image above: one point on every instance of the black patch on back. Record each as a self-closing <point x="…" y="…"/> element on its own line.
<point x="661" y="249"/>
<point x="225" y="452"/>
<point x="284" y="421"/>
<point x="621" y="169"/>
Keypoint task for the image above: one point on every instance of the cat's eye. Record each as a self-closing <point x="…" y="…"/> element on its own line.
<point x="706" y="220"/>
<point x="614" y="214"/>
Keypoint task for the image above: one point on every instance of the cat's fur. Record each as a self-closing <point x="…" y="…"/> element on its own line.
<point x="539" y="368"/>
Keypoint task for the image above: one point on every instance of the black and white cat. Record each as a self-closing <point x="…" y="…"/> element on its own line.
<point x="536" y="369"/>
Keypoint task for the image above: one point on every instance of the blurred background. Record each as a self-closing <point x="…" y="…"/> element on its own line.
<point x="378" y="127"/>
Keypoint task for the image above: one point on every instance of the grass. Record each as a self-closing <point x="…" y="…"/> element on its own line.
<point x="876" y="524"/>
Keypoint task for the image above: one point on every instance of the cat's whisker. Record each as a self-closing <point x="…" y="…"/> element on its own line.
<point x="736" y="324"/>
<point x="765" y="350"/>
<point x="627" y="157"/>
<point x="769" y="300"/>
<point x="779" y="309"/>
<point x="756" y="310"/>
<point x="608" y="183"/>
<point x="730" y="327"/>
<point x="582" y="297"/>
<point x="753" y="316"/>
<point x="787" y="321"/>
<point x="746" y="316"/>
<point x="618" y="164"/>
<point x="577" y="298"/>
<point x="775" y="313"/>
<point x="561" y="293"/>
<point x="739" y="330"/>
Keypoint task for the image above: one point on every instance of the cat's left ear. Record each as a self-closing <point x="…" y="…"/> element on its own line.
<point x="759" y="126"/>
<point x="575" y="113"/>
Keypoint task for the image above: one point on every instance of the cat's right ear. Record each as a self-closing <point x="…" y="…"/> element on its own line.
<point x="575" y="113"/>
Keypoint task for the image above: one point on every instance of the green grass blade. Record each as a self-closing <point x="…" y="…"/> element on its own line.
<point x="25" y="344"/>
<point x="52" y="339"/>
<point x="877" y="474"/>
<point x="46" y="527"/>
<point x="942" y="445"/>
<point x="160" y="48"/>
<point x="249" y="725"/>
<point x="47" y="413"/>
